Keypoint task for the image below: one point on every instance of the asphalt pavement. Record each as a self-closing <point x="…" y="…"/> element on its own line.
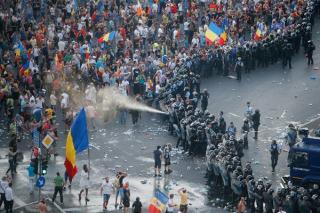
<point x="282" y="96"/>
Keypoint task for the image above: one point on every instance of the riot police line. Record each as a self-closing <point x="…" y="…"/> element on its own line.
<point x="274" y="47"/>
<point x="202" y="133"/>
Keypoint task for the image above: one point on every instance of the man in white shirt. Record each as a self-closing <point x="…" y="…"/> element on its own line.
<point x="123" y="87"/>
<point x="3" y="185"/>
<point x="40" y="102"/>
<point x="61" y="45"/>
<point x="9" y="198"/>
<point x="106" y="190"/>
<point x="64" y="102"/>
<point x="171" y="205"/>
<point x="53" y="100"/>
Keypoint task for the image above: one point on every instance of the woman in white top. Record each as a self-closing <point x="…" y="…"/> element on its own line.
<point x="84" y="182"/>
<point x="171" y="205"/>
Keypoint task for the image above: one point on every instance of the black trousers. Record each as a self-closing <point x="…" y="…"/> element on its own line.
<point x="2" y="199"/>
<point x="310" y="60"/>
<point x="8" y="205"/>
<point x="274" y="160"/>
<point x="56" y="190"/>
<point x="238" y="75"/>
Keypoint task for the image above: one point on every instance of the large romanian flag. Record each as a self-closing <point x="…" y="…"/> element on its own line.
<point x="107" y="37"/>
<point x="215" y="34"/>
<point x="77" y="141"/>
<point x="158" y="202"/>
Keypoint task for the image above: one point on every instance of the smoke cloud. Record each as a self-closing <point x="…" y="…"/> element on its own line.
<point x="110" y="99"/>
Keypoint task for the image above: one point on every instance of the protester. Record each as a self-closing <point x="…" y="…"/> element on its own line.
<point x="31" y="176"/>
<point x="42" y="206"/>
<point x="9" y="198"/>
<point x="157" y="155"/>
<point x="119" y="184"/>
<point x="241" y="207"/>
<point x="58" y="187"/>
<point x="137" y="206"/>
<point x="3" y="185"/>
<point x="171" y="204"/>
<point x="66" y="180"/>
<point x="12" y="161"/>
<point x="166" y="156"/>
<point x="126" y="197"/>
<point x="84" y="182"/>
<point x="183" y="200"/>
<point x="106" y="190"/>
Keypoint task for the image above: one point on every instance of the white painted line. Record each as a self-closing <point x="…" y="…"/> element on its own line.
<point x="312" y="120"/>
<point x="235" y="115"/>
<point x="58" y="207"/>
<point x="72" y="209"/>
<point x="22" y="206"/>
<point x="283" y="114"/>
<point x="19" y="202"/>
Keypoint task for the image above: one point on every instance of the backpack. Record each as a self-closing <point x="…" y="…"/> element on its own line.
<point x="116" y="183"/>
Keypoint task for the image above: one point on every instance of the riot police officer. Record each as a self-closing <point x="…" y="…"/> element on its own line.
<point x="309" y="52"/>
<point x="238" y="68"/>
<point x="256" y="123"/>
<point x="274" y="151"/>
<point x="287" y="55"/>
<point x="268" y="200"/>
<point x="204" y="100"/>
<point x="251" y="187"/>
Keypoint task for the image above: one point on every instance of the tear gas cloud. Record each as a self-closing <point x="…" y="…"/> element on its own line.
<point x="110" y="99"/>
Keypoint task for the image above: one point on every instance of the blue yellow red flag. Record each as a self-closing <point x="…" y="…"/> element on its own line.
<point x="77" y="141"/>
<point x="107" y="37"/>
<point x="158" y="202"/>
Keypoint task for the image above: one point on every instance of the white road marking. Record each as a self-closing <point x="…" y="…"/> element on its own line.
<point x="235" y="115"/>
<point x="283" y="114"/>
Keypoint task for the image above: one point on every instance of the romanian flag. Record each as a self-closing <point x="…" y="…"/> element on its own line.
<point x="215" y="34"/>
<point x="21" y="51"/>
<point x="222" y="38"/>
<point x="77" y="141"/>
<point x="158" y="202"/>
<point x="258" y="35"/>
<point x="107" y="37"/>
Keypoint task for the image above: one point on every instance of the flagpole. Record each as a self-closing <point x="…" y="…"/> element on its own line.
<point x="89" y="162"/>
<point x="88" y="132"/>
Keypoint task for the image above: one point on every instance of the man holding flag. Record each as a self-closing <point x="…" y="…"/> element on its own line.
<point x="77" y="141"/>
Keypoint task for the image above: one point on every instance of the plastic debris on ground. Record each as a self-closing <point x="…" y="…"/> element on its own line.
<point x="313" y="78"/>
<point x="232" y="76"/>
<point x="128" y="132"/>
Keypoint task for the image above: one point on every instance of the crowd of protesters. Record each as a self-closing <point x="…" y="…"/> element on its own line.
<point x="50" y="55"/>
